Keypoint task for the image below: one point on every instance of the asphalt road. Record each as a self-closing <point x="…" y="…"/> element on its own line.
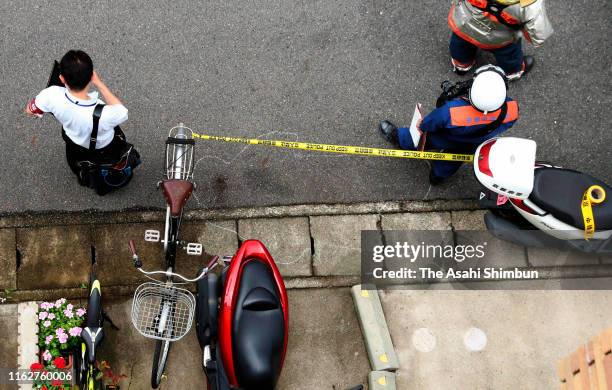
<point x="319" y="71"/>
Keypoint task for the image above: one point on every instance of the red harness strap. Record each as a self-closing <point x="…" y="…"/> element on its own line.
<point x="501" y="16"/>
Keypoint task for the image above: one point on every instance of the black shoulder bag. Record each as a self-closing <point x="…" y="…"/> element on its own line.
<point x="105" y="176"/>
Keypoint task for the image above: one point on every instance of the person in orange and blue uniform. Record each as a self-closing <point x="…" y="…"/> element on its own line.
<point x="478" y="111"/>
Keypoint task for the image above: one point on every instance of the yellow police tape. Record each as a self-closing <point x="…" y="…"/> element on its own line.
<point x="358" y="150"/>
<point x="593" y="195"/>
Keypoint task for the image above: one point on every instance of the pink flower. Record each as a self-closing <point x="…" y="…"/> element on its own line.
<point x="60" y="302"/>
<point x="59" y="331"/>
<point x="48" y="339"/>
<point x="68" y="313"/>
<point x="47" y="355"/>
<point x="51" y="316"/>
<point x="46" y="305"/>
<point x="63" y="338"/>
<point x="47" y="323"/>
<point x="76" y="331"/>
<point x="69" y="306"/>
<point x="81" y="312"/>
<point x="42" y="315"/>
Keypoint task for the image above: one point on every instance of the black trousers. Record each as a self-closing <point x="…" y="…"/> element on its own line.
<point x="108" y="154"/>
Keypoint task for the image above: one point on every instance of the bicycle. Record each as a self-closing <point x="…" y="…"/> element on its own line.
<point x="160" y="310"/>
<point x="92" y="335"/>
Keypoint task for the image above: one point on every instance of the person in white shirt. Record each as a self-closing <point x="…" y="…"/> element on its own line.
<point x="73" y="106"/>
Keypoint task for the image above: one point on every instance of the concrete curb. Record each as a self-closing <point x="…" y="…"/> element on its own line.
<point x="128" y="290"/>
<point x="315" y="246"/>
<point x="27" y="335"/>
<point x="374" y="328"/>
<point x="381" y="380"/>
<point x="157" y="215"/>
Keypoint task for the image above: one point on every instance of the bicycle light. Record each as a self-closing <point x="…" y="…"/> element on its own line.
<point x="180" y="153"/>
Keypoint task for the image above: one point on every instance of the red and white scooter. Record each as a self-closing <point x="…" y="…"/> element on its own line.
<point x="523" y="194"/>
<point x="242" y="320"/>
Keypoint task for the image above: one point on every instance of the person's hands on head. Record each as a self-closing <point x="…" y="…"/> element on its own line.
<point x="95" y="79"/>
<point x="103" y="89"/>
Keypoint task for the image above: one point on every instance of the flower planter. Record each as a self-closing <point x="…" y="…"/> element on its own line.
<point x="68" y="358"/>
<point x="59" y="328"/>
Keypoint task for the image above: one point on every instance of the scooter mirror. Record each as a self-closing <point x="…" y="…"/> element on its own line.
<point x="506" y="166"/>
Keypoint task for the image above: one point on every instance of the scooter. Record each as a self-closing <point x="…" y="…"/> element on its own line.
<point x="538" y="204"/>
<point x="242" y="320"/>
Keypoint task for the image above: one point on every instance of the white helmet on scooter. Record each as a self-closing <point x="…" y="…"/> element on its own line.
<point x="489" y="88"/>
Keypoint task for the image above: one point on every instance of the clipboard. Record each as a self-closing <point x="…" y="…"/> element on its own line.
<point x="54" y="76"/>
<point x="418" y="137"/>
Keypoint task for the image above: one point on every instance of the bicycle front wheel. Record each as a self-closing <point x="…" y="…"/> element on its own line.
<point x="160" y="357"/>
<point x="89" y="380"/>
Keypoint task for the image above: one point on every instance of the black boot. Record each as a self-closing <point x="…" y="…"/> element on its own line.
<point x="389" y="131"/>
<point x="435" y="180"/>
<point x="529" y="62"/>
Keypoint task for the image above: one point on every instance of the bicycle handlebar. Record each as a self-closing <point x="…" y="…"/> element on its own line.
<point x="132" y="247"/>
<point x="169" y="273"/>
<point x="138" y="264"/>
<point x="212" y="263"/>
<point x="135" y="258"/>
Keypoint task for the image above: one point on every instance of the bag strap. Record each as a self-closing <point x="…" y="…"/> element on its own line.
<point x="94" y="131"/>
<point x="495" y="124"/>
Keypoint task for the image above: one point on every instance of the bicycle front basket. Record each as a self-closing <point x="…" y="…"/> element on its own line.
<point x="162" y="312"/>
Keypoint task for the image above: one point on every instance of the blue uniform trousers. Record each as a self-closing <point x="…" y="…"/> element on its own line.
<point x="509" y="58"/>
<point x="442" y="169"/>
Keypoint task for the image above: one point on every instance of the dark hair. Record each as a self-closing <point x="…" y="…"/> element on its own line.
<point x="77" y="68"/>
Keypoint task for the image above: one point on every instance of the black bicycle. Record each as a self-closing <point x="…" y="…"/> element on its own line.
<point x="86" y="370"/>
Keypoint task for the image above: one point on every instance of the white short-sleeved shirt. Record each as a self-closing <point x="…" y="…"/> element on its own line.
<point x="76" y="115"/>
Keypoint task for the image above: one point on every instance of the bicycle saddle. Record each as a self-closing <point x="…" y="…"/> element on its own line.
<point x="176" y="192"/>
<point x="92" y="337"/>
<point x="559" y="191"/>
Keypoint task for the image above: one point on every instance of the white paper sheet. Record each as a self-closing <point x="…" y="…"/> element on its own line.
<point x="415" y="132"/>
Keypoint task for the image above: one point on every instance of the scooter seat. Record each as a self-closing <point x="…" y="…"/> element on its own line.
<point x="258" y="328"/>
<point x="176" y="192"/>
<point x="559" y="192"/>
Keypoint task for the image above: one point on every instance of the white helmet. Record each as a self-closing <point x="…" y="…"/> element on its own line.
<point x="488" y="91"/>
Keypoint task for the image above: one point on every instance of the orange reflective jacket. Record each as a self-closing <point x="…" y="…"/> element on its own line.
<point x="469" y="116"/>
